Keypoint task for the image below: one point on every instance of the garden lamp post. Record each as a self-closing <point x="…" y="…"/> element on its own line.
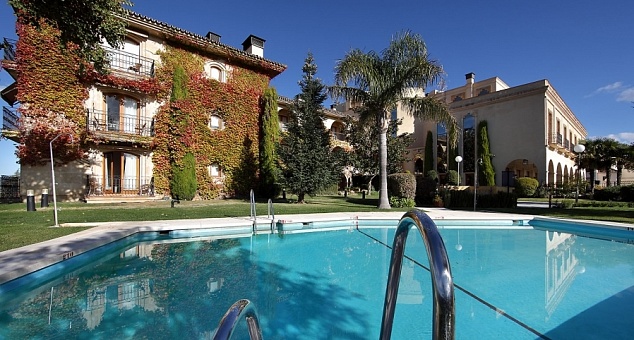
<point x="458" y="160"/>
<point x="579" y="149"/>
<point x="53" y="175"/>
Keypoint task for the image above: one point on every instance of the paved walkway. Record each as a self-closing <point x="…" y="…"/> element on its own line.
<point x="21" y="261"/>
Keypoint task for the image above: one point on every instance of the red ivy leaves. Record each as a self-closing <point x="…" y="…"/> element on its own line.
<point x="51" y="95"/>
<point x="182" y="126"/>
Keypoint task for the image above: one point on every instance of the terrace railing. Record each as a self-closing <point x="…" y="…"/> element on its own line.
<point x="98" y="120"/>
<point x="117" y="185"/>
<point x="442" y="282"/>
<point x="130" y="63"/>
<point x="10" y="118"/>
<point x="8" y="45"/>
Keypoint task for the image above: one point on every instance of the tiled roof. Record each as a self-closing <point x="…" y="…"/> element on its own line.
<point x="220" y="48"/>
<point x="289" y="101"/>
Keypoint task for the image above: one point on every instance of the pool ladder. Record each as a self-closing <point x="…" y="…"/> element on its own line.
<point x="442" y="284"/>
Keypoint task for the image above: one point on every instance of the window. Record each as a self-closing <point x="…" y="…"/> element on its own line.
<point x="215" y="172"/>
<point x="215" y="122"/>
<point x="283" y="122"/>
<point x="122" y="113"/>
<point x="215" y="71"/>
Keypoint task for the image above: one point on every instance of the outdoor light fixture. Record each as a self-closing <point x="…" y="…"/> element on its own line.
<point x="579" y="149"/>
<point x="458" y="160"/>
<point x="53" y="174"/>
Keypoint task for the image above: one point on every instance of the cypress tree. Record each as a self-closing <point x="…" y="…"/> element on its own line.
<point x="487" y="172"/>
<point x="183" y="183"/>
<point x="269" y="139"/>
<point x="307" y="162"/>
<point x="429" y="153"/>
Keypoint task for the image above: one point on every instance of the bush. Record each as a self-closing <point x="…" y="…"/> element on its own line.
<point x="433" y="175"/>
<point x="425" y="190"/>
<point x="401" y="202"/>
<point x="612" y="193"/>
<point x="526" y="186"/>
<point x="401" y="185"/>
<point x="627" y="193"/>
<point x="184" y="184"/>
<point x="452" y="177"/>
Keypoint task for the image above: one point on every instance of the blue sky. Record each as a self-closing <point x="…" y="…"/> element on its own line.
<point x="584" y="48"/>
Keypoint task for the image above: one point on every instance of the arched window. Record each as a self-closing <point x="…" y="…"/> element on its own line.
<point x="215" y="71"/>
<point x="215" y="122"/>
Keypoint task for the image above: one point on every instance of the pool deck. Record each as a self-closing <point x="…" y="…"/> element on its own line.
<point x="21" y="261"/>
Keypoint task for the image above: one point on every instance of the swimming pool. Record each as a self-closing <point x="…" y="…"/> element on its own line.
<point x="510" y="282"/>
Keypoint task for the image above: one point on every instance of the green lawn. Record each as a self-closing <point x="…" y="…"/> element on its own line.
<point x="19" y="227"/>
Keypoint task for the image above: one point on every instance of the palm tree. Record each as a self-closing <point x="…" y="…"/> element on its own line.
<point x="379" y="81"/>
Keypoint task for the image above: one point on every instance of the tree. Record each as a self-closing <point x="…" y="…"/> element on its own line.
<point x="81" y="23"/>
<point x="484" y="150"/>
<point x="306" y="160"/>
<point x="364" y="156"/>
<point x="269" y="139"/>
<point x="429" y="152"/>
<point x="184" y="183"/>
<point x="378" y="82"/>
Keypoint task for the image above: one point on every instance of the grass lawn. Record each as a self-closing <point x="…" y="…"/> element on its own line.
<point x="19" y="227"/>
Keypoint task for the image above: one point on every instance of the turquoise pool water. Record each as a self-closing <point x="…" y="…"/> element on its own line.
<point x="511" y="283"/>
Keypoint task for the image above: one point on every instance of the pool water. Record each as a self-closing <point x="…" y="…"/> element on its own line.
<point x="511" y="283"/>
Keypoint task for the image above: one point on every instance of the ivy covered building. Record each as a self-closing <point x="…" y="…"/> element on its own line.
<point x="121" y="133"/>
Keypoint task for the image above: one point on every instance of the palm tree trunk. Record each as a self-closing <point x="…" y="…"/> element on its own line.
<point x="384" y="203"/>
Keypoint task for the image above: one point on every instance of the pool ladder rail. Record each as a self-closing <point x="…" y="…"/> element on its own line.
<point x="442" y="283"/>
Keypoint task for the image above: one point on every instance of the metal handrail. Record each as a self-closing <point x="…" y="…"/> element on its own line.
<point x="242" y="308"/>
<point x="271" y="214"/>
<point x="442" y="282"/>
<point x="253" y="213"/>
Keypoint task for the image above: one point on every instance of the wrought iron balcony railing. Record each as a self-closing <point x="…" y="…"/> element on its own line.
<point x="129" y="62"/>
<point x="98" y="120"/>
<point x="338" y="136"/>
<point x="8" y="45"/>
<point x="118" y="185"/>
<point x="10" y="118"/>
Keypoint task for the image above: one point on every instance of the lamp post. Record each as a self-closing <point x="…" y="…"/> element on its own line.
<point x="475" y="183"/>
<point x="53" y="175"/>
<point x="458" y="160"/>
<point x="579" y="149"/>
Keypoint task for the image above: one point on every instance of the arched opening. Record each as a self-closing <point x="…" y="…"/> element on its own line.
<point x="521" y="168"/>
<point x="284" y="117"/>
<point x="419" y="166"/>
<point x="566" y="174"/>
<point x="337" y="131"/>
<point x="551" y="173"/>
<point x="559" y="176"/>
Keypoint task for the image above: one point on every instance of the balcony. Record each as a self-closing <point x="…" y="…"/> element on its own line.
<point x="8" y="45"/>
<point x="129" y="64"/>
<point x="10" y="122"/>
<point x="101" y="122"/>
<point x="117" y="185"/>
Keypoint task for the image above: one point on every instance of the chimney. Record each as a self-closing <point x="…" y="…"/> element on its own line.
<point x="470" y="80"/>
<point x="254" y="45"/>
<point x="213" y="37"/>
